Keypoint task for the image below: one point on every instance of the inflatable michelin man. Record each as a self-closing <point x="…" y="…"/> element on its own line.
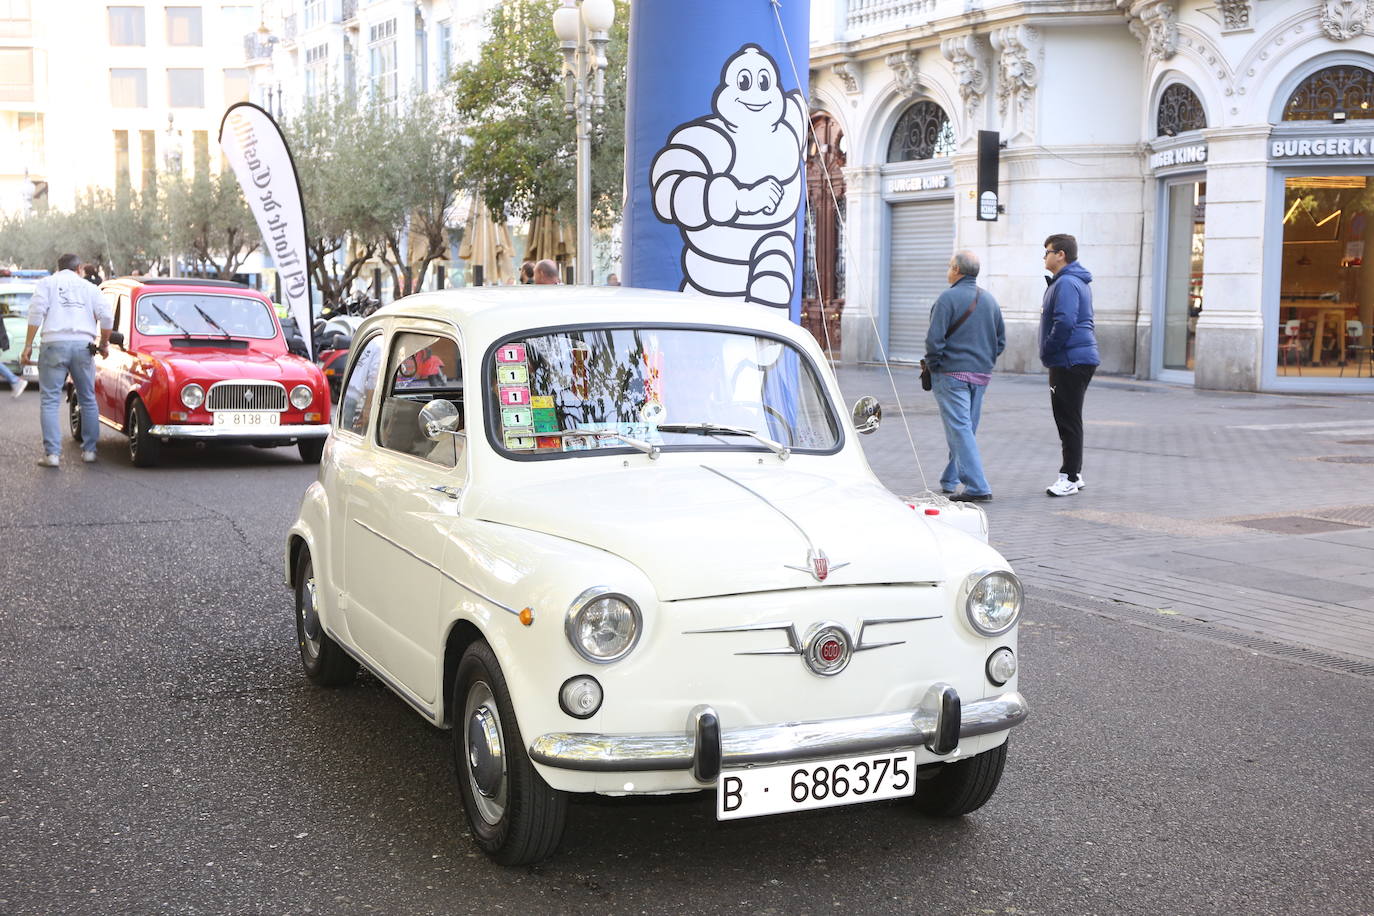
<point x="731" y="182"/>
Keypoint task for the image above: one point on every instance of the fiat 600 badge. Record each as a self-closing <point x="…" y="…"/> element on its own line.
<point x="626" y="542"/>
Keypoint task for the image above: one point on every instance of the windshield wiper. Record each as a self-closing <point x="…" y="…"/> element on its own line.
<point x="647" y="448"/>
<point x="169" y="319"/>
<point x="210" y="321"/>
<point x="716" y="429"/>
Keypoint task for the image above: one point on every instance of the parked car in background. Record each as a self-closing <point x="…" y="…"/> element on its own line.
<point x="14" y="312"/>
<point x="203" y="361"/>
<point x="642" y="553"/>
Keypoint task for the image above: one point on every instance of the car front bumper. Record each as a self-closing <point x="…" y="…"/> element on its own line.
<point x="206" y="431"/>
<point x="706" y="748"/>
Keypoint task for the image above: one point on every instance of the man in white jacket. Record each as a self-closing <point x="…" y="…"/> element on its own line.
<point x="73" y="315"/>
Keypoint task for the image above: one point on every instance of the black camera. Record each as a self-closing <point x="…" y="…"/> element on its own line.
<point x="92" y="349"/>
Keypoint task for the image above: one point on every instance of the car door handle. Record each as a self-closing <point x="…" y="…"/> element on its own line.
<point x="450" y="492"/>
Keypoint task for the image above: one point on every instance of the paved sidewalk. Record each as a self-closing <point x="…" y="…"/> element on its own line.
<point x="1252" y="513"/>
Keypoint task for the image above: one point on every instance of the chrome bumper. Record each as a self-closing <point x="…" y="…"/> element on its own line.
<point x="207" y="431"/>
<point x="705" y="748"/>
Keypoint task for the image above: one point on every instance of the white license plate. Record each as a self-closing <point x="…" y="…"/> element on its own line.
<point x="817" y="784"/>
<point x="242" y="418"/>
<point x="30" y="371"/>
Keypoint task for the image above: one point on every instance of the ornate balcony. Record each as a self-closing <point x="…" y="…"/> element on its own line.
<point x="868" y="17"/>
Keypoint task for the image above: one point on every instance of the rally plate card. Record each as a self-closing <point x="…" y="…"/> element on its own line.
<point x="815" y="784"/>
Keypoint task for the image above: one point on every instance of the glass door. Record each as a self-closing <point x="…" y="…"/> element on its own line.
<point x="1183" y="245"/>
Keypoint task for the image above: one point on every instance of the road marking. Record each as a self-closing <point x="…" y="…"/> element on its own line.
<point x="1328" y="424"/>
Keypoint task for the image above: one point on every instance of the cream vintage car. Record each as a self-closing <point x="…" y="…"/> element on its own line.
<point x="626" y="542"/>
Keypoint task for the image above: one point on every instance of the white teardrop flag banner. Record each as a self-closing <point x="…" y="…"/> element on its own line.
<point x="258" y="154"/>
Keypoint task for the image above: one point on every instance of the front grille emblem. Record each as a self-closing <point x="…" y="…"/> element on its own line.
<point x="248" y="396"/>
<point x="828" y="649"/>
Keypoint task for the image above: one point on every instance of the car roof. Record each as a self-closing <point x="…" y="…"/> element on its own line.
<point x="495" y="311"/>
<point x="181" y="284"/>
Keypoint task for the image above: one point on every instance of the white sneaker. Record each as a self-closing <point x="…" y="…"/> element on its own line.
<point x="1063" y="486"/>
<point x="17" y="388"/>
<point x="1082" y="484"/>
<point x="88" y="457"/>
<point x="50" y="461"/>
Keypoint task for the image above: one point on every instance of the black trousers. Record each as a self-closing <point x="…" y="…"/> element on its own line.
<point x="1068" y="385"/>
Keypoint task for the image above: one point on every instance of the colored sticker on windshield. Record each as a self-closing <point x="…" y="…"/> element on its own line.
<point x="515" y="417"/>
<point x="515" y="396"/>
<point x="540" y="401"/>
<point x="512" y="375"/>
<point x="511" y="353"/>
<point x="519" y="439"/>
<point x="545" y="420"/>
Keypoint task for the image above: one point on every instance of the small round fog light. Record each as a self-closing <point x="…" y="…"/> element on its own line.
<point x="580" y="696"/>
<point x="1001" y="666"/>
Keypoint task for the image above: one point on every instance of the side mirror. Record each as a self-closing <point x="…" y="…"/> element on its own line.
<point x="440" y="417"/>
<point x="117" y="339"/>
<point x="867" y="415"/>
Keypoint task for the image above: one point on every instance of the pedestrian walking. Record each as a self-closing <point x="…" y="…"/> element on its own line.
<point x="17" y="384"/>
<point x="965" y="337"/>
<point x="1068" y="348"/>
<point x="73" y="315"/>
<point x="545" y="273"/>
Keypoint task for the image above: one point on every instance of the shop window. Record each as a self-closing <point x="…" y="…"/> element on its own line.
<point x="1333" y="94"/>
<point x="823" y="253"/>
<point x="1180" y="110"/>
<point x="923" y="132"/>
<point x="1326" y="299"/>
<point x="1183" y="276"/>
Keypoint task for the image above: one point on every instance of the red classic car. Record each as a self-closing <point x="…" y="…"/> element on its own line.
<point x="203" y="361"/>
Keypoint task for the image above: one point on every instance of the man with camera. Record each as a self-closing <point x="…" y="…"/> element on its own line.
<point x="73" y="315"/>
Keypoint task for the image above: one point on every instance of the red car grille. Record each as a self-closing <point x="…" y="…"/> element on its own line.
<point x="246" y="396"/>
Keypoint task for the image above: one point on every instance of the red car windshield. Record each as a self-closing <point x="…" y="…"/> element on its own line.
<point x="179" y="314"/>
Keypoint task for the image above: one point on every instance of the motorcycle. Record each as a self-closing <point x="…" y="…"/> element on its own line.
<point x="334" y="337"/>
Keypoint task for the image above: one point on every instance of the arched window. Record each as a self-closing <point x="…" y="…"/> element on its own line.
<point x="1333" y="94"/>
<point x="923" y="132"/>
<point x="1180" y="110"/>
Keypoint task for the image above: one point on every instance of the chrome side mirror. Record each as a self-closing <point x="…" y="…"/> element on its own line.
<point x="867" y="415"/>
<point x="440" y="417"/>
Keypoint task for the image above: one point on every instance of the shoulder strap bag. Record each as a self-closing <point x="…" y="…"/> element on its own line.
<point x="925" y="370"/>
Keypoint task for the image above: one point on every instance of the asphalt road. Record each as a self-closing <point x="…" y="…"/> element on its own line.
<point x="163" y="754"/>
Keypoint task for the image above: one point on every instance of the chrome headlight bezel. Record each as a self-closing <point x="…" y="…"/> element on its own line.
<point x="573" y="622"/>
<point x="982" y="623"/>
<point x="307" y="397"/>
<point x="192" y="395"/>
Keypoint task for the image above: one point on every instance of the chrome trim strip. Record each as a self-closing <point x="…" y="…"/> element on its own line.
<point x="436" y="568"/>
<point x="396" y="688"/>
<point x="208" y="431"/>
<point x="784" y="742"/>
<point x="810" y="546"/>
<point x="794" y="643"/>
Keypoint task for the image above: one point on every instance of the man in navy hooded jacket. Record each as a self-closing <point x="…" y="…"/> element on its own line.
<point x="1068" y="348"/>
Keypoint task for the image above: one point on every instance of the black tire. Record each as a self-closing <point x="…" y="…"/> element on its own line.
<point x="311" y="450"/>
<point x="74" y="417"/>
<point x="325" y="664"/>
<point x="144" y="449"/>
<point x="515" y="816"/>
<point x="955" y="789"/>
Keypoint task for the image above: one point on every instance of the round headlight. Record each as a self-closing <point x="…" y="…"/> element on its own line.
<point x="602" y="626"/>
<point x="580" y="696"/>
<point x="301" y="396"/>
<point x="1001" y="666"/>
<point x="193" y="396"/>
<point x="994" y="602"/>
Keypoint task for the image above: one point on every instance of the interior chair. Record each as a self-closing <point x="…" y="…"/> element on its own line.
<point x="1354" y="337"/>
<point x="1292" y="342"/>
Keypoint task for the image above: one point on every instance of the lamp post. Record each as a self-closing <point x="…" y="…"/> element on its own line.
<point x="171" y="158"/>
<point x="583" y="28"/>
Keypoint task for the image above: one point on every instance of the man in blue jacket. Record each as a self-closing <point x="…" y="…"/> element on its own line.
<point x="965" y="337"/>
<point x="1068" y="348"/>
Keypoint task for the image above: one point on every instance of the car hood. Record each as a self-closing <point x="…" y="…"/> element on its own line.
<point x="220" y="365"/>
<point x="698" y="532"/>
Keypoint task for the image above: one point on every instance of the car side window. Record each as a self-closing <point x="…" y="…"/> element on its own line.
<point x="422" y="368"/>
<point x="355" y="405"/>
<point x="121" y="315"/>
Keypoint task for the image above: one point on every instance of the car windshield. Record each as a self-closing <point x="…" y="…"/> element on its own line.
<point x="581" y="389"/>
<point x="177" y="314"/>
<point x="15" y="301"/>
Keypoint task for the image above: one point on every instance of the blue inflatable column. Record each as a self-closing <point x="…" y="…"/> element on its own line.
<point x="716" y="125"/>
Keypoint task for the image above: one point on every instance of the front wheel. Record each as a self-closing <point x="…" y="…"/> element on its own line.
<point x="515" y="816"/>
<point x="326" y="665"/>
<point x="955" y="789"/>
<point x="144" y="448"/>
<point x="311" y="450"/>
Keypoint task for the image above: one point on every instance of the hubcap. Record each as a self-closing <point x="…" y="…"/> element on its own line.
<point x="486" y="759"/>
<point x="310" y="620"/>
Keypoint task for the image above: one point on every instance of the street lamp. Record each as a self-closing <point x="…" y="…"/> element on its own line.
<point x="583" y="28"/>
<point x="171" y="159"/>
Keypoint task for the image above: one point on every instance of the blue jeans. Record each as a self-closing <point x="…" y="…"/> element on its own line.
<point x="961" y="404"/>
<point x="57" y="360"/>
<point x="8" y="376"/>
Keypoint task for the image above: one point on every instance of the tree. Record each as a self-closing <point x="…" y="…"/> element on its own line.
<point x="522" y="157"/>
<point x="122" y="231"/>
<point x="212" y="220"/>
